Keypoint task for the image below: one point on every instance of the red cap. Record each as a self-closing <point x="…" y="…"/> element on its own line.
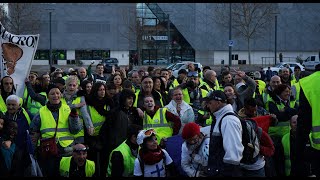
<point x="190" y="130"/>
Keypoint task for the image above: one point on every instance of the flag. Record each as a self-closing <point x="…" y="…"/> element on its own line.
<point x="17" y="55"/>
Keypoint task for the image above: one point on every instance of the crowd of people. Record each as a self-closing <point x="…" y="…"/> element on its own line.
<point x="80" y="123"/>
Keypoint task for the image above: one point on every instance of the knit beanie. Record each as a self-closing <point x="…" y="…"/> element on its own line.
<point x="189" y="130"/>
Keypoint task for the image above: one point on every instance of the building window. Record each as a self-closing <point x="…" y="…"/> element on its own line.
<point x="235" y="57"/>
<point x="92" y="54"/>
<point x="41" y="55"/>
<point x="45" y="55"/>
<point x="59" y="54"/>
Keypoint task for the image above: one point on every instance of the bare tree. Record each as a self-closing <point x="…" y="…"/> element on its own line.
<point x="248" y="19"/>
<point x="3" y="12"/>
<point x="23" y="18"/>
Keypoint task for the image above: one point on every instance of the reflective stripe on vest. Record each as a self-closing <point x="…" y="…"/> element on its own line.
<point x="128" y="160"/>
<point x="286" y="147"/>
<point x="311" y="89"/>
<point x="64" y="169"/>
<point x="97" y="119"/>
<point x="79" y="137"/>
<point x="158" y="123"/>
<point x="48" y="124"/>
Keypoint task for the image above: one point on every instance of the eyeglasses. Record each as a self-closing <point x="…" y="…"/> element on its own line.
<point x="193" y="74"/>
<point x="149" y="132"/>
<point x="85" y="149"/>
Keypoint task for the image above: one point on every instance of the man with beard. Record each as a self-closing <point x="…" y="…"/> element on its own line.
<point x="182" y="76"/>
<point x="77" y="165"/>
<point x="147" y="90"/>
<point x="192" y="94"/>
<point x="6" y="88"/>
<point x="121" y="161"/>
<point x="194" y="150"/>
<point x="285" y="76"/>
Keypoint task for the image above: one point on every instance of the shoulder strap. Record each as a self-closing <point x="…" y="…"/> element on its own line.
<point x="141" y="165"/>
<point x="227" y="114"/>
<point x="55" y="132"/>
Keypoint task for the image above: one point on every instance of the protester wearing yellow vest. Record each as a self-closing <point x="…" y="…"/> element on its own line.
<point x="284" y="108"/>
<point x="6" y="89"/>
<point x="308" y="123"/>
<point x="77" y="165"/>
<point x="71" y="99"/>
<point x="121" y="160"/>
<point x="160" y="119"/>
<point x="44" y="125"/>
<point x="146" y="90"/>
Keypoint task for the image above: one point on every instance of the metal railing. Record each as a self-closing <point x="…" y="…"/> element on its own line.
<point x="270" y="60"/>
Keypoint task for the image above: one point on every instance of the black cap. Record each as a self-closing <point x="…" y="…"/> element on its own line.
<point x="182" y="71"/>
<point x="216" y="95"/>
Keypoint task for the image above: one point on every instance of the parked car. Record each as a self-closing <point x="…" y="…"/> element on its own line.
<point x="162" y="61"/>
<point x="279" y="66"/>
<point x="175" y="67"/>
<point x="147" y="61"/>
<point x="311" y="62"/>
<point x="108" y="63"/>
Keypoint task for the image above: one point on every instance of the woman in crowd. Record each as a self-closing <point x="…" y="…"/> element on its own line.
<point x="152" y="160"/>
<point x="74" y="101"/>
<point x="54" y="119"/>
<point x="179" y="107"/>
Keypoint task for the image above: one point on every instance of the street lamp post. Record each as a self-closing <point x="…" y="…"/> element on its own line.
<point x="275" y="39"/>
<point x="50" y="38"/>
<point x="230" y="36"/>
<point x="168" y="52"/>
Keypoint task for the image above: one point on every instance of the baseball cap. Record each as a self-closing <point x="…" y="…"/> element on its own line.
<point x="145" y="134"/>
<point x="216" y="95"/>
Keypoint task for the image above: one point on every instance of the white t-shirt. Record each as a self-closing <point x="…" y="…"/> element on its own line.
<point x="155" y="170"/>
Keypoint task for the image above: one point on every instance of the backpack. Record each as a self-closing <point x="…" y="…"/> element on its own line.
<point x="251" y="134"/>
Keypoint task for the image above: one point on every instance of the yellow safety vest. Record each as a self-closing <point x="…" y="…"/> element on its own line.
<point x="64" y="169"/>
<point x="261" y="86"/>
<point x="128" y="160"/>
<point x="25" y="113"/>
<point x="3" y="106"/>
<point x="209" y="120"/>
<point x="159" y="123"/>
<point x="296" y="90"/>
<point x="33" y="105"/>
<point x="186" y="96"/>
<point x="282" y="127"/>
<point x="79" y="137"/>
<point x="311" y="89"/>
<point x="174" y="84"/>
<point x="48" y="125"/>
<point x="286" y="147"/>
<point x="97" y="119"/>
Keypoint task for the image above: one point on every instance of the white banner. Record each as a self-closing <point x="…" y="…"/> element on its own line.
<point x="17" y="56"/>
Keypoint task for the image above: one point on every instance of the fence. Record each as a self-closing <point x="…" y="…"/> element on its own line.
<point x="267" y="61"/>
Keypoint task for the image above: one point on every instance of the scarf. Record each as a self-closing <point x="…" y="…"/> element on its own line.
<point x="151" y="157"/>
<point x="53" y="107"/>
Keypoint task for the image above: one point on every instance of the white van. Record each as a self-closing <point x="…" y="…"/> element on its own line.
<point x="311" y="62"/>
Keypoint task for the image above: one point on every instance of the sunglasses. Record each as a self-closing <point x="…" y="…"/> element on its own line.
<point x="85" y="149"/>
<point x="193" y="74"/>
<point x="150" y="132"/>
